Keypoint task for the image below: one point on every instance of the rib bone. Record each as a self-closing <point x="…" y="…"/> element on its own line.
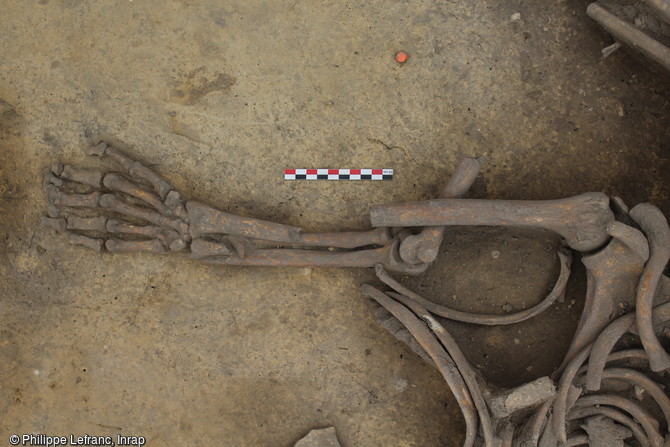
<point x="655" y="226"/>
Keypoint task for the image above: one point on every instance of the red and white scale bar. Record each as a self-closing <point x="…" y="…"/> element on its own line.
<point x="338" y="174"/>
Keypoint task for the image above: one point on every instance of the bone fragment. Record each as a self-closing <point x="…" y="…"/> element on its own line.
<point x="582" y="220"/>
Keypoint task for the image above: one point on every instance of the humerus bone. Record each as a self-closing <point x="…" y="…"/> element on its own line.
<point x="582" y="220"/>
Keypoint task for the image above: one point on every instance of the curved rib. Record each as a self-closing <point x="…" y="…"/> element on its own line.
<point x="655" y="226"/>
<point x="603" y="346"/>
<point x="561" y="401"/>
<point x="644" y="382"/>
<point x="489" y="320"/>
<point x="535" y="424"/>
<point x="442" y="360"/>
<point x="616" y="416"/>
<point x="609" y="337"/>
<point x="466" y="370"/>
<point x="645" y="419"/>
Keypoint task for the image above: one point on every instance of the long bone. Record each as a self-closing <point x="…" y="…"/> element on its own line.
<point x="612" y="275"/>
<point x="309" y="258"/>
<point x="442" y="359"/>
<point x="582" y="220"/>
<point x="558" y="290"/>
<point x="424" y="247"/>
<point x="345" y="239"/>
<point x="205" y="220"/>
<point x="655" y="226"/>
<point x="630" y="35"/>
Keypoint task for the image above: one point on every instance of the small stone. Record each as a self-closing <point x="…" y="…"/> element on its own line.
<point x="495" y="254"/>
<point x="400" y="385"/>
<point x="507" y="307"/>
<point x="515" y="17"/>
<point x="324" y="437"/>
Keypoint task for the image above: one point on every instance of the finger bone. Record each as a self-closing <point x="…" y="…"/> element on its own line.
<point x="85" y="176"/>
<point x="112" y="203"/>
<point x="178" y="245"/>
<point x="75" y="200"/>
<point x="122" y="246"/>
<point x="56" y="224"/>
<point x="89" y="242"/>
<point x="139" y="171"/>
<point x="50" y="178"/>
<point x="116" y="182"/>
<point x="173" y="199"/>
<point x="56" y="168"/>
<point x="86" y="223"/>
<point x="119" y="226"/>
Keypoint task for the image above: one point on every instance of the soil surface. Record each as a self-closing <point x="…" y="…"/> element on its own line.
<point x="220" y="98"/>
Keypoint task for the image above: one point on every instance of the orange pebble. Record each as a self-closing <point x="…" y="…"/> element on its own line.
<point x="401" y="56"/>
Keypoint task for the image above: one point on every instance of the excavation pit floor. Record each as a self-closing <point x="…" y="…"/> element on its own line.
<point x="220" y="98"/>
